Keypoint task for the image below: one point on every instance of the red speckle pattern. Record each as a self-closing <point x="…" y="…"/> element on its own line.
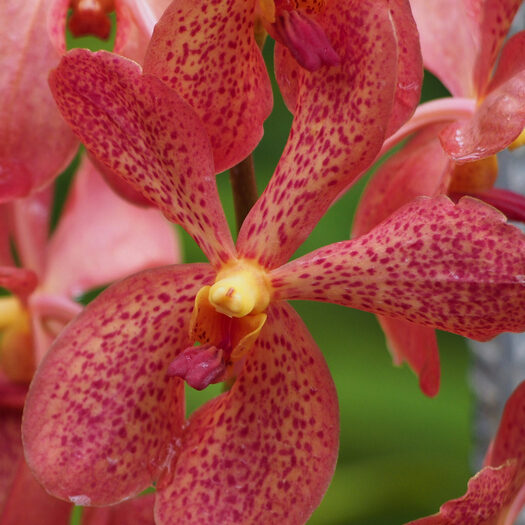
<point x="265" y="451"/>
<point x="500" y="116"/>
<point x="206" y="51"/>
<point x="149" y="136"/>
<point x="457" y="267"/>
<point x="339" y="126"/>
<point x="101" y="400"/>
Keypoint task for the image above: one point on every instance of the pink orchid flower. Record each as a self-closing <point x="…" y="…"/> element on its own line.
<point x="105" y="413"/>
<point x="35" y="142"/>
<point x="218" y="69"/>
<point x="454" y="139"/>
<point x="99" y="239"/>
<point x="496" y="494"/>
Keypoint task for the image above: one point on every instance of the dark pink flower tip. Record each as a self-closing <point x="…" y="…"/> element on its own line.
<point x="19" y="281"/>
<point x="199" y="366"/>
<point x="305" y="39"/>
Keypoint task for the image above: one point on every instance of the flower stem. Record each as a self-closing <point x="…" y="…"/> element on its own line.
<point x="244" y="188"/>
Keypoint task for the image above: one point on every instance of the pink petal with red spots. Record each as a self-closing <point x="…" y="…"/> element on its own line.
<point x="28" y="502"/>
<point x="35" y="142"/>
<point x="137" y="511"/>
<point x="500" y="117"/>
<point x="450" y="41"/>
<point x="459" y="268"/>
<point x="339" y="127"/>
<point x="146" y="133"/>
<point x="421" y="167"/>
<point x="206" y="51"/>
<point x="497" y="16"/>
<point x="102" y="417"/>
<point x="288" y="74"/>
<point x="487" y="493"/>
<point x="265" y="451"/>
<point x="410" y="65"/>
<point x="10" y="450"/>
<point x="101" y="238"/>
<point x="417" y="345"/>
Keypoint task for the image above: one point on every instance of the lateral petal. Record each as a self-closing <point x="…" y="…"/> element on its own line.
<point x="146" y="133"/>
<point x="101" y="415"/>
<point x="217" y="69"/>
<point x="340" y="124"/>
<point x="10" y="449"/>
<point x="101" y="238"/>
<point x="35" y="142"/>
<point x="265" y="451"/>
<point x="500" y="117"/>
<point x="459" y="268"/>
<point x="136" y="511"/>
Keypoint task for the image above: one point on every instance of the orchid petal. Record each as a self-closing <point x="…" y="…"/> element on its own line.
<point x="143" y="131"/>
<point x="487" y="493"/>
<point x="288" y="74"/>
<point x="459" y="268"/>
<point x="35" y="143"/>
<point x="101" y="238"/>
<point x="500" y="118"/>
<point x="417" y="345"/>
<point x="12" y="395"/>
<point x="6" y="257"/>
<point x="137" y="511"/>
<point x="265" y="451"/>
<point x="410" y="65"/>
<point x="339" y="127"/>
<point x="28" y="502"/>
<point x="18" y="281"/>
<point x="495" y="25"/>
<point x="421" y="167"/>
<point x="10" y="450"/>
<point x="450" y="40"/>
<point x="30" y="218"/>
<point x="218" y="69"/>
<point x="101" y="415"/>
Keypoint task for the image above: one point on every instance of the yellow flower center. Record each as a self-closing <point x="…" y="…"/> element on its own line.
<point x="518" y="142"/>
<point x="472" y="177"/>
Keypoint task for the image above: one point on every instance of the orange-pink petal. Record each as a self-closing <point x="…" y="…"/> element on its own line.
<point x="206" y="52"/>
<point x="459" y="268"/>
<point x="102" y="417"/>
<point x="340" y="123"/>
<point x="265" y="451"/>
<point x="147" y="134"/>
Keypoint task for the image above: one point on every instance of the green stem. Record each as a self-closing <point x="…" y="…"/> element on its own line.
<point x="244" y="188"/>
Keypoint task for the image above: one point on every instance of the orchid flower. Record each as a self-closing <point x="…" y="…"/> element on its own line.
<point x="99" y="238"/>
<point x="217" y="68"/>
<point x="105" y="414"/>
<point x="496" y="494"/>
<point x="35" y="142"/>
<point x="454" y="139"/>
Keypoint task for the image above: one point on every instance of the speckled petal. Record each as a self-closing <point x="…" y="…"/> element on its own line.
<point x="450" y="40"/>
<point x="265" y="451"/>
<point x="137" y="511"/>
<point x="500" y="117"/>
<point x="459" y="268"/>
<point x="101" y="238"/>
<point x="35" y="142"/>
<point x="101" y="415"/>
<point x="206" y="51"/>
<point x="495" y="25"/>
<point x="487" y="493"/>
<point x="417" y="345"/>
<point x="340" y="124"/>
<point x="410" y="65"/>
<point x="143" y="131"/>
<point x="10" y="450"/>
<point x="28" y="502"/>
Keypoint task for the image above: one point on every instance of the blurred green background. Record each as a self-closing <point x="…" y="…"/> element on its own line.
<point x="401" y="454"/>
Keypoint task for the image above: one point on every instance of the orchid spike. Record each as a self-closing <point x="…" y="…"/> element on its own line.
<point x="105" y="413"/>
<point x="99" y="239"/>
<point x="496" y="494"/>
